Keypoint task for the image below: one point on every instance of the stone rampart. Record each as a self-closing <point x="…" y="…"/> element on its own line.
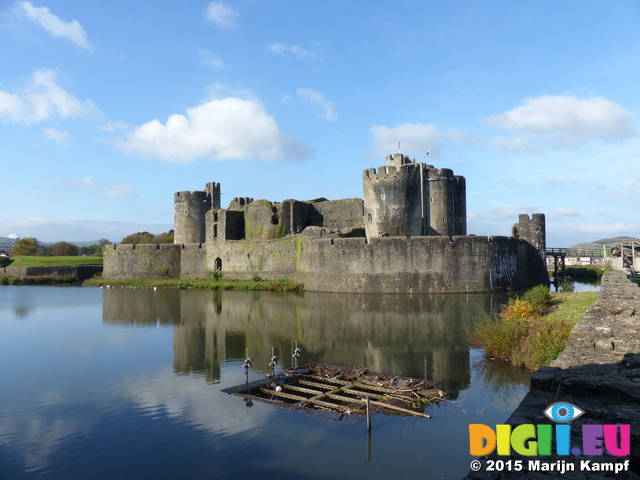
<point x="462" y="264"/>
<point x="598" y="371"/>
<point x="83" y="272"/>
<point x="418" y="264"/>
<point x="142" y="261"/>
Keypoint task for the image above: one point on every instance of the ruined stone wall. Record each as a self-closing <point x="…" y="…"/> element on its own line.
<point x="341" y="215"/>
<point x="262" y="221"/>
<point x="533" y="230"/>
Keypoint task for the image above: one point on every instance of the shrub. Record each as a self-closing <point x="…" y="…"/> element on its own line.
<point x="540" y="299"/>
<point x="5" y="261"/>
<point x="521" y="333"/>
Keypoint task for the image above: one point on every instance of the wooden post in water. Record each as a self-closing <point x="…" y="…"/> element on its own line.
<point x="368" y="412"/>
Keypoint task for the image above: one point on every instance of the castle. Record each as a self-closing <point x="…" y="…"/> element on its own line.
<point x="408" y="235"/>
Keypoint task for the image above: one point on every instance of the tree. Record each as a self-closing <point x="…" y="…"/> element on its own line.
<point x="25" y="246"/>
<point x="139" y="237"/>
<point x="64" y="249"/>
<point x="146" y="237"/>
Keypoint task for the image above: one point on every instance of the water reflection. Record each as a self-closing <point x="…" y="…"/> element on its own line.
<point x="419" y="335"/>
<point x="125" y="383"/>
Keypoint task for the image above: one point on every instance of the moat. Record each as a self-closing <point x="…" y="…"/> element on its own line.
<point x="127" y="383"/>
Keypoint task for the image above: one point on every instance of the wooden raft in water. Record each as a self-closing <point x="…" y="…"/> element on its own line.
<point x="343" y="391"/>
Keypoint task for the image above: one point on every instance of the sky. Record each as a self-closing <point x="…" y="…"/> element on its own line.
<point x="109" y="108"/>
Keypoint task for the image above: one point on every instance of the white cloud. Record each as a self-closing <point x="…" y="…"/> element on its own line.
<point x="113" y="126"/>
<point x="226" y="129"/>
<point x="56" y="135"/>
<point x="608" y="229"/>
<point x="209" y="60"/>
<point x="317" y="99"/>
<point x="54" y="25"/>
<point x="507" y="212"/>
<point x="559" y="213"/>
<point x="42" y="99"/>
<point x="221" y="15"/>
<point x="415" y="138"/>
<point x="121" y="189"/>
<point x="513" y="144"/>
<point x="12" y="235"/>
<point x="85" y="182"/>
<point x="560" y="182"/>
<point x="293" y="51"/>
<point x="566" y="120"/>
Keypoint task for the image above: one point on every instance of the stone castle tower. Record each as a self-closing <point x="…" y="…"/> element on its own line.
<point x="190" y="209"/>
<point x="405" y="198"/>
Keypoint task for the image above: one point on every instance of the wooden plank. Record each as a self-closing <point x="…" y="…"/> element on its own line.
<point x="301" y="389"/>
<point x="297" y="398"/>
<point x="322" y="386"/>
<point x="335" y="381"/>
<point x="289" y="396"/>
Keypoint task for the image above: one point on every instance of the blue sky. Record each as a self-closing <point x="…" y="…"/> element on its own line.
<point x="108" y="108"/>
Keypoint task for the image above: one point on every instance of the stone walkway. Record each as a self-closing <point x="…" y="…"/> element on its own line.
<point x="598" y="371"/>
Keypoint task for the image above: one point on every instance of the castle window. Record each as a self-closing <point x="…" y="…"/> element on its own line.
<point x="370" y="218"/>
<point x="217" y="264"/>
<point x="186" y="212"/>
<point x="215" y="231"/>
<point x="383" y="196"/>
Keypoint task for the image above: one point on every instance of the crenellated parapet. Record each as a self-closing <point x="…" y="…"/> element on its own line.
<point x="404" y="198"/>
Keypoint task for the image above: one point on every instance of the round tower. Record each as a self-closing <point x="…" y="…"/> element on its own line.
<point x="447" y="201"/>
<point x="189" y="216"/>
<point x="393" y="198"/>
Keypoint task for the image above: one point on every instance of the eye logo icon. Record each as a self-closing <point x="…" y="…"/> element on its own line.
<point x="563" y="412"/>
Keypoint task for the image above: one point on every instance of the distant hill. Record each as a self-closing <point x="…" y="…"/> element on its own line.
<point x="609" y="242"/>
<point x="7" y="243"/>
<point x="615" y="240"/>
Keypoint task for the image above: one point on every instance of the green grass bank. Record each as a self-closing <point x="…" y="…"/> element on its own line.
<point x="33" y="261"/>
<point x="532" y="329"/>
<point x="201" y="284"/>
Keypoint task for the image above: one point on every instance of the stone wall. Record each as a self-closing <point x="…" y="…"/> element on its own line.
<point x="83" y="272"/>
<point x="142" y="261"/>
<point x="384" y="265"/>
<point x="419" y="264"/>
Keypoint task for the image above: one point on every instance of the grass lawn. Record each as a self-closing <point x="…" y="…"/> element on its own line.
<point x="29" y="261"/>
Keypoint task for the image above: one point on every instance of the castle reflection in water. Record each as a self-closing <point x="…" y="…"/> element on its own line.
<point x="422" y="336"/>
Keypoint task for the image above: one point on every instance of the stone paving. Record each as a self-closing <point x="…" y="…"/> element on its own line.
<point x="599" y="371"/>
